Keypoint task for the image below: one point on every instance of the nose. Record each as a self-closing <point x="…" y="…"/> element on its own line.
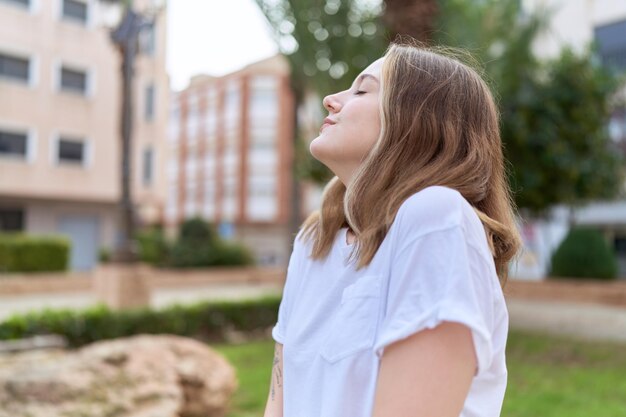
<point x="331" y="103"/>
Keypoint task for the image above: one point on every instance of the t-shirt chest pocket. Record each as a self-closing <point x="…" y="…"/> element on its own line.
<point x="353" y="326"/>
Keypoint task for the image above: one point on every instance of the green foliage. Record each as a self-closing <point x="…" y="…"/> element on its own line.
<point x="231" y="253"/>
<point x="104" y="255"/>
<point x="186" y="254"/>
<point x="584" y="253"/>
<point x="554" y="114"/>
<point x="23" y="253"/>
<point x="205" y="320"/>
<point x="563" y="153"/>
<point x="153" y="246"/>
<point x="327" y="44"/>
<point x="197" y="245"/>
<point x="196" y="229"/>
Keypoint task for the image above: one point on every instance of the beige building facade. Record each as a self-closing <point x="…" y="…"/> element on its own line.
<point x="60" y="84"/>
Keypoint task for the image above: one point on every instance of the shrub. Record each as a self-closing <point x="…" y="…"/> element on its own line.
<point x="104" y="255"/>
<point x="153" y="246"/>
<point x="197" y="229"/>
<point x="231" y="253"/>
<point x="209" y="320"/>
<point x="198" y="245"/>
<point x="189" y="254"/>
<point x="22" y="253"/>
<point x="194" y="246"/>
<point x="584" y="253"/>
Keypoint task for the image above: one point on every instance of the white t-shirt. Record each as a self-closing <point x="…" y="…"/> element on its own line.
<point x="334" y="322"/>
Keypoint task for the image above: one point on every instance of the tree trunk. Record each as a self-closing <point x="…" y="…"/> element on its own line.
<point x="415" y="18"/>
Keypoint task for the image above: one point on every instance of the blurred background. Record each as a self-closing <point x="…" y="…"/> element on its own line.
<point x="154" y="169"/>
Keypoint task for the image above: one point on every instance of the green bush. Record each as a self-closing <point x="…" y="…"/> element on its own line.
<point x="104" y="255"/>
<point x="205" y="321"/>
<point x="198" y="245"/>
<point x="584" y="253"/>
<point x="231" y="253"/>
<point x="197" y="229"/>
<point x="22" y="253"/>
<point x="195" y="246"/>
<point x="189" y="254"/>
<point x="153" y="246"/>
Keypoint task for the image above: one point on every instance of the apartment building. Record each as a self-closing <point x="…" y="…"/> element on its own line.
<point x="60" y="159"/>
<point x="230" y="153"/>
<point x="576" y="23"/>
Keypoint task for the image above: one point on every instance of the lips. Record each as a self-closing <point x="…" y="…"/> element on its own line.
<point x="327" y="122"/>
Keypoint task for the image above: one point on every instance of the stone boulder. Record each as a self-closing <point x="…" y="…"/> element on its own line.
<point x="139" y="376"/>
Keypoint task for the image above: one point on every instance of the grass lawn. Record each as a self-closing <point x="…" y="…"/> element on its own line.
<point x="548" y="377"/>
<point x="560" y="377"/>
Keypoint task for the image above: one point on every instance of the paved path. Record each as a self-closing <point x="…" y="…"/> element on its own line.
<point x="587" y="321"/>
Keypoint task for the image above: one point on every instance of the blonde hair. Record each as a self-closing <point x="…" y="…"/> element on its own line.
<point x="439" y="126"/>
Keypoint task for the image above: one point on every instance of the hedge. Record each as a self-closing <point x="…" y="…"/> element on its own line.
<point x="197" y="245"/>
<point x="208" y="320"/>
<point x="22" y="253"/>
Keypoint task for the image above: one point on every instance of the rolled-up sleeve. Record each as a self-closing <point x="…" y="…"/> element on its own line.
<point x="439" y="277"/>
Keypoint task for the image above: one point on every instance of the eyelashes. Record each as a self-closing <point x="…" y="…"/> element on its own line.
<point x="358" y="93"/>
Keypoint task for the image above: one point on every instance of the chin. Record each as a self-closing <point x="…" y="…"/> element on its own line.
<point x="316" y="149"/>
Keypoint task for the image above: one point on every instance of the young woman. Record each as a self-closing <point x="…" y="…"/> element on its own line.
<point x="393" y="302"/>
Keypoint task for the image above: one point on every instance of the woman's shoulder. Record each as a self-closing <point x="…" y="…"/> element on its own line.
<point x="434" y="207"/>
<point x="439" y="208"/>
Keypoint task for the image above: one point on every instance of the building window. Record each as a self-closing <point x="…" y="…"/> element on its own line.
<point x="147" y="39"/>
<point x="11" y="220"/>
<point x="71" y="151"/>
<point x="14" y="68"/>
<point x="148" y="159"/>
<point x="75" y="10"/>
<point x="149" y="104"/>
<point x="263" y="104"/>
<point x="611" y="41"/>
<point x="22" y="3"/>
<point x="193" y="120"/>
<point x="73" y="80"/>
<point x="260" y="186"/>
<point x="13" y="144"/>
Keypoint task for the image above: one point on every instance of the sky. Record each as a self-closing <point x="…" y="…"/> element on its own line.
<point x="214" y="37"/>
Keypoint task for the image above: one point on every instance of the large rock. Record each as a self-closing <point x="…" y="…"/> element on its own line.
<point x="140" y="376"/>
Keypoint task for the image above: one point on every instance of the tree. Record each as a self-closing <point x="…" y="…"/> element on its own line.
<point x="566" y="153"/>
<point x="327" y="43"/>
<point x="415" y="18"/>
<point x="554" y="113"/>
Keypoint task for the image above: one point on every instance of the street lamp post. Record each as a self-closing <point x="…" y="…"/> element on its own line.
<point x="124" y="283"/>
<point x="126" y="36"/>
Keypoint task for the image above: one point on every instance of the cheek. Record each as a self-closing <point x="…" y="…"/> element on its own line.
<point x="370" y="122"/>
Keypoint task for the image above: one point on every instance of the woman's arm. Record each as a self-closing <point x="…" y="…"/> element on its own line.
<point x="426" y="374"/>
<point x="274" y="405"/>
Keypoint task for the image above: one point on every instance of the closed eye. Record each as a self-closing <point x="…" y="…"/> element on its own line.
<point x="359" y="93"/>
